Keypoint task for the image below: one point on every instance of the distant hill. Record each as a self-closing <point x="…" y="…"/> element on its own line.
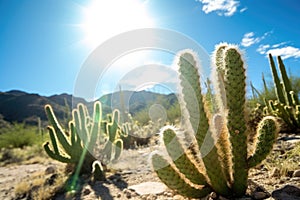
<point x="19" y="106"/>
<point x="136" y="101"/>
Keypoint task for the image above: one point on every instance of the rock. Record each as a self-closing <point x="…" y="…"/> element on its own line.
<point x="86" y="191"/>
<point x="128" y="193"/>
<point x="177" y="197"/>
<point x="148" y="188"/>
<point x="288" y="192"/>
<point x="50" y="170"/>
<point x="260" y="195"/>
<point x="296" y="173"/>
<point x="222" y="198"/>
<point x="257" y="191"/>
<point x="51" y="180"/>
<point x="289" y="173"/>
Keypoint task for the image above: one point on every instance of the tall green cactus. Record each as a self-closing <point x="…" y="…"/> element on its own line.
<point x="77" y="145"/>
<point x="220" y="158"/>
<point x="286" y="106"/>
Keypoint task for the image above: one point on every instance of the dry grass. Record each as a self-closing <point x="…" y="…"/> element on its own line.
<point x="284" y="162"/>
<point x="22" y="188"/>
<point x="27" y="155"/>
<point x="46" y="192"/>
<point x="37" y="186"/>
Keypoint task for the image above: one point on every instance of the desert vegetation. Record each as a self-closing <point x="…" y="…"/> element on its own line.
<point x="209" y="150"/>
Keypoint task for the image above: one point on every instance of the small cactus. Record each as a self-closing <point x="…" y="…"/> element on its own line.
<point x="220" y="157"/>
<point x="77" y="145"/>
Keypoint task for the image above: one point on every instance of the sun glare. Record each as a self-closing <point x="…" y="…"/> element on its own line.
<point x="104" y="19"/>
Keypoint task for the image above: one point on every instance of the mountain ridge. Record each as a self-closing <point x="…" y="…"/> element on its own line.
<point x="20" y="106"/>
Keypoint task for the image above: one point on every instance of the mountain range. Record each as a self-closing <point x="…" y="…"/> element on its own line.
<point x="20" y="106"/>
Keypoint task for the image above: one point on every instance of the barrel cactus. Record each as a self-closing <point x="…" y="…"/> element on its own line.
<point x="221" y="155"/>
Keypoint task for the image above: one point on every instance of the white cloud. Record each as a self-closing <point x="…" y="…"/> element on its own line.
<point x="222" y="7"/>
<point x="278" y="45"/>
<point x="262" y="49"/>
<point x="285" y="52"/>
<point x="249" y="39"/>
<point x="243" y="10"/>
<point x="280" y="50"/>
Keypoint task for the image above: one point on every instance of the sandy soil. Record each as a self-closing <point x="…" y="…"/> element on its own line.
<point x="132" y="169"/>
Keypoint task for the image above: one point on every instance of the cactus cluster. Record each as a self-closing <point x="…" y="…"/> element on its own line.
<point x="220" y="156"/>
<point x="286" y="106"/>
<point x="137" y="135"/>
<point x="77" y="145"/>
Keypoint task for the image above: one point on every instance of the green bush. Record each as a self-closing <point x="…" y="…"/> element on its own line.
<point x="19" y="136"/>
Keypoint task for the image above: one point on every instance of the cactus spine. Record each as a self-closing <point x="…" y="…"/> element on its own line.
<point x="77" y="145"/>
<point x="223" y="159"/>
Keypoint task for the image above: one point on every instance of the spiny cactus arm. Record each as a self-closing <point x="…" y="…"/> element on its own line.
<point x="173" y="180"/>
<point x="278" y="85"/>
<point x="77" y="124"/>
<point x="58" y="130"/>
<point x="270" y="105"/>
<point x="180" y="158"/>
<point x="291" y="114"/>
<point x="235" y="84"/>
<point x="75" y="141"/>
<point x="107" y="150"/>
<point x="218" y="76"/>
<point x="190" y="82"/>
<point x="118" y="148"/>
<point x="125" y="129"/>
<point x="98" y="171"/>
<point x="73" y="134"/>
<point x="223" y="146"/>
<point x="266" y="90"/>
<point x="55" y="156"/>
<point x="53" y="139"/>
<point x="113" y="125"/>
<point x="191" y="90"/>
<point x="281" y="112"/>
<point x="214" y="170"/>
<point x="294" y="98"/>
<point x="255" y="92"/>
<point x="287" y="87"/>
<point x="103" y="135"/>
<point x="82" y="126"/>
<point x="266" y="136"/>
<point x="297" y="113"/>
<point x="96" y="125"/>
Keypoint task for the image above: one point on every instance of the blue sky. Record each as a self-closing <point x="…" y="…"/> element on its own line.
<point x="44" y="44"/>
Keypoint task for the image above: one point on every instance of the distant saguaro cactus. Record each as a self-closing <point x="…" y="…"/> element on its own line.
<point x="221" y="155"/>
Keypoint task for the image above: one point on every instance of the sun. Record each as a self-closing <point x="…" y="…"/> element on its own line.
<point x="103" y="19"/>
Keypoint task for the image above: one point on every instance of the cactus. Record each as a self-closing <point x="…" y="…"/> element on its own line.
<point x="137" y="135"/>
<point x="286" y="106"/>
<point x="220" y="157"/>
<point x="77" y="145"/>
<point x="114" y="145"/>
